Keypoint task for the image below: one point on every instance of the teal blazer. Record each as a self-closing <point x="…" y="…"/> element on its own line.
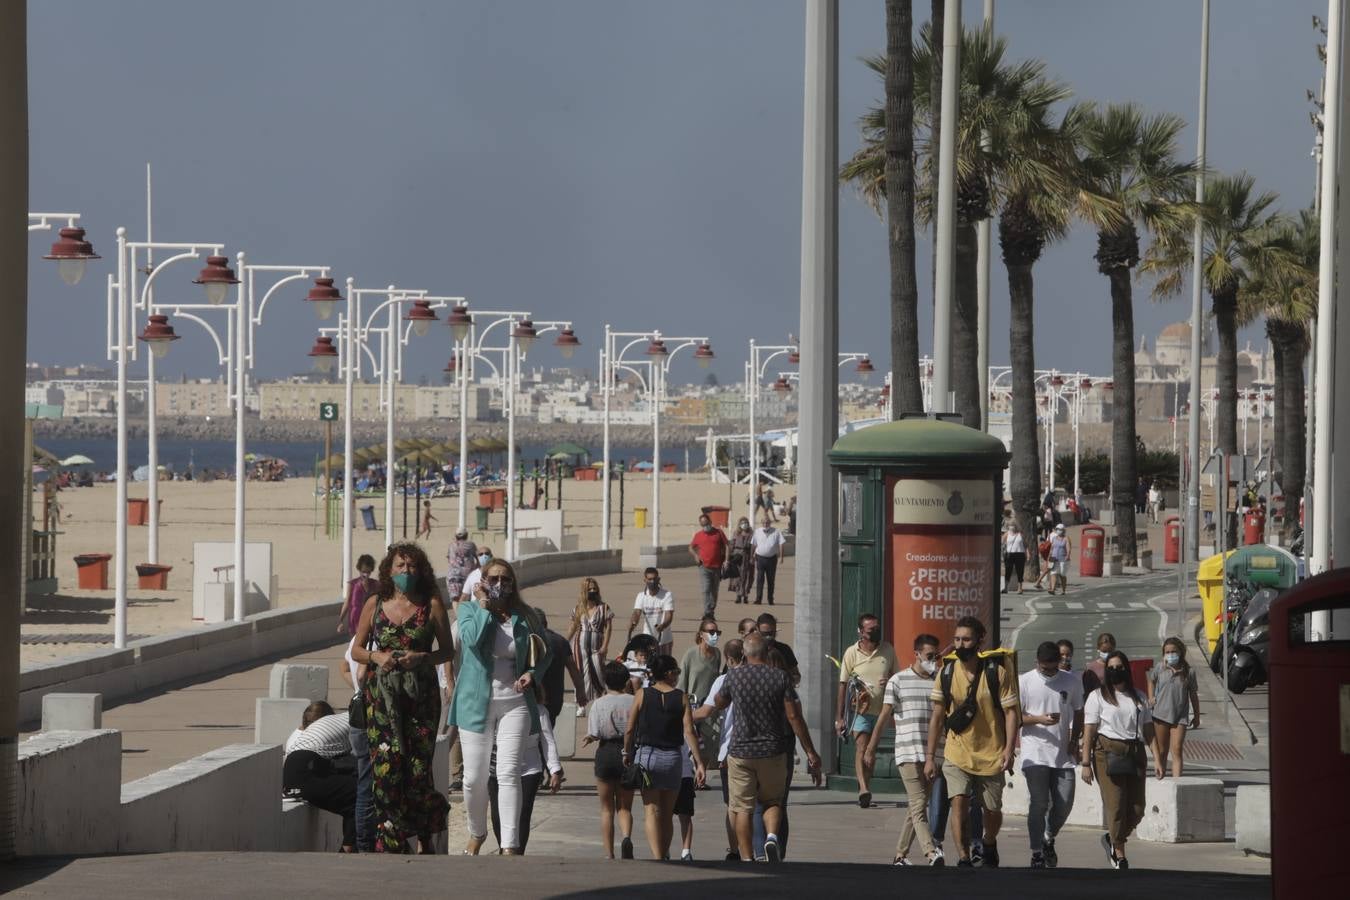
<point x="473" y="687"/>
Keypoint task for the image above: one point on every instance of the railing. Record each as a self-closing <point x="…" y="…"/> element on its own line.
<point x="42" y="557"/>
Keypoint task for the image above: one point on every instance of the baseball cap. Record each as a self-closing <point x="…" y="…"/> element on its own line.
<point x="1059" y="527"/>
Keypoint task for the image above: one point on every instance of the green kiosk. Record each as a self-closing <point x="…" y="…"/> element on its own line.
<point x="920" y="514"/>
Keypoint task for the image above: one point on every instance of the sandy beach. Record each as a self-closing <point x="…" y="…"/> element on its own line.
<point x="307" y="563"/>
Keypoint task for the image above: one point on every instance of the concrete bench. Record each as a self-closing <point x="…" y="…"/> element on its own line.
<point x="290" y="680"/>
<point x="275" y="719"/>
<point x="68" y="793"/>
<point x="226" y="799"/>
<point x="1182" y="811"/>
<point x="1253" y="818"/>
<point x="72" y="712"/>
<point x="565" y="731"/>
<point x="308" y="829"/>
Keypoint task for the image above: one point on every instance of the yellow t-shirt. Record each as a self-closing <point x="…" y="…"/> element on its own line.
<point x="979" y="749"/>
<point x="875" y="669"/>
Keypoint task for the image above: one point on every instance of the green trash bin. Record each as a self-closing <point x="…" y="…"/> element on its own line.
<point x="481" y="517"/>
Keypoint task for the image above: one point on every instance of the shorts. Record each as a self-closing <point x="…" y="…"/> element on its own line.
<point x="665" y="768"/>
<point x="864" y="723"/>
<point x="1059" y="567"/>
<point x="961" y="783"/>
<point x="684" y="803"/>
<point x="761" y="780"/>
<point x="609" y="760"/>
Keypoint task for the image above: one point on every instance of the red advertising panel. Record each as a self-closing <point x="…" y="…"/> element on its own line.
<point x="940" y="563"/>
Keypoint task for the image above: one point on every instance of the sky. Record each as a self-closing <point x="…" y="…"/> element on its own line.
<point x="631" y="162"/>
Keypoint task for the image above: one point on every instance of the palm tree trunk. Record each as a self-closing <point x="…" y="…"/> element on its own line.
<point x="937" y="18"/>
<point x="1225" y="372"/>
<point x="1277" y="423"/>
<point x="965" y="355"/>
<point x="1026" y="448"/>
<point x="906" y="390"/>
<point x="1294" y="429"/>
<point x="1123" y="459"/>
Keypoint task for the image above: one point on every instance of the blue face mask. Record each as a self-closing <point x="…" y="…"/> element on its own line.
<point x="403" y="581"/>
<point x="484" y="559"/>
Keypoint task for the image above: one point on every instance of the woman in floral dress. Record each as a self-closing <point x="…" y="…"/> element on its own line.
<point x="403" y="700"/>
<point x="592" y="623"/>
<point x="741" y="561"/>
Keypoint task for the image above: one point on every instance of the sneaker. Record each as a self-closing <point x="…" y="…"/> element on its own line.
<point x="937" y="858"/>
<point x="771" y="852"/>
<point x="964" y="864"/>
<point x="1038" y="860"/>
<point x="990" y="856"/>
<point x="1051" y="857"/>
<point x="865" y="799"/>
<point x="1122" y="863"/>
<point x="626" y="848"/>
<point x="581" y="712"/>
<point x="1106" y="845"/>
<point x="901" y="861"/>
<point x="976" y="853"/>
<point x="733" y="855"/>
<point x="456" y="785"/>
<point x="686" y="856"/>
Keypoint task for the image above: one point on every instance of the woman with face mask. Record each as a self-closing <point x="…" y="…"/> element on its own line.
<point x="495" y="698"/>
<point x="471" y="580"/>
<point x="699" y="669"/>
<point x="1116" y="727"/>
<point x="592" y="625"/>
<point x="1175" y="700"/>
<point x="741" y="561"/>
<point x="403" y="704"/>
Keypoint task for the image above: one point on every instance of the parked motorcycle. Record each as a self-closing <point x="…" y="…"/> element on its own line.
<point x="1238" y="594"/>
<point x="1249" y="664"/>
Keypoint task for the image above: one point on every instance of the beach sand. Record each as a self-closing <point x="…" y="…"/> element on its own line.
<point x="307" y="563"/>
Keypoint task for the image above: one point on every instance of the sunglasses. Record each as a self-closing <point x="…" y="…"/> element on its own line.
<point x="499" y="579"/>
<point x="712" y="631"/>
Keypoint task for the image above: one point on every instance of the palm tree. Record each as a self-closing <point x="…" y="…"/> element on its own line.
<point x="1238" y="237"/>
<point x="899" y="174"/>
<point x="1288" y="295"/>
<point x="1008" y="103"/>
<point x="1130" y="178"/>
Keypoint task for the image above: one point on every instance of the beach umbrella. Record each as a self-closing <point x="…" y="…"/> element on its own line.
<point x="567" y="449"/>
<point x="79" y="459"/>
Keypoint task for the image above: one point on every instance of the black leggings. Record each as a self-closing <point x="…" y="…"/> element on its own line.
<point x="529" y="786"/>
<point x="1014" y="564"/>
<point x="324" y="786"/>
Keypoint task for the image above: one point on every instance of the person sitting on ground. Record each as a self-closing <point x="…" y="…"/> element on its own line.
<point x="318" y="766"/>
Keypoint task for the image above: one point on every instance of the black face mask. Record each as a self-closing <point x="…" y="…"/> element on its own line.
<point x="593" y="596"/>
<point x="873" y="635"/>
<point x="966" y="654"/>
<point x="1116" y="677"/>
<point x="653" y="586"/>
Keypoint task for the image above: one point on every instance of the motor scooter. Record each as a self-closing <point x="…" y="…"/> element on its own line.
<point x="1249" y="664"/>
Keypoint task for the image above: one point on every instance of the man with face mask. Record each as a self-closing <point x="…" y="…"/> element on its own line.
<point x="976" y="704"/>
<point x="1052" y="726"/>
<point x="872" y="662"/>
<point x="709" y="549"/>
<point x="653" y="611"/>
<point x="906" y="698"/>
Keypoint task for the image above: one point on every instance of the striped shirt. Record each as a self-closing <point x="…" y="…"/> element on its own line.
<point x="907" y="694"/>
<point x="328" y="737"/>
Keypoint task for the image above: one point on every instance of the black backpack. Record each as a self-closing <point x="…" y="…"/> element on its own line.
<point x="960" y="719"/>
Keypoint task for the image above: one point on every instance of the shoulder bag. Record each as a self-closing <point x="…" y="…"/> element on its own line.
<point x="1128" y="762"/>
<point x="356" y="710"/>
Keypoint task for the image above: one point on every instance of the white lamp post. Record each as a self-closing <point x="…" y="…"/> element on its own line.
<point x="761" y="356"/>
<point x="661" y="358"/>
<point x="71" y="251"/>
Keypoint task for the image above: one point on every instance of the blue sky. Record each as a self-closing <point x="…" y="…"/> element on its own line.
<point x="629" y="161"/>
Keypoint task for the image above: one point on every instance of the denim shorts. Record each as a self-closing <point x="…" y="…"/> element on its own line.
<point x="863" y="723"/>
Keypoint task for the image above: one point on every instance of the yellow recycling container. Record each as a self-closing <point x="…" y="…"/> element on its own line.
<point x="1209" y="581"/>
<point x="639" y="517"/>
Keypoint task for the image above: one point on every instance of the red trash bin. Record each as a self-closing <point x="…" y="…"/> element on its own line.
<point x="152" y="576"/>
<point x="1253" y="527"/>
<point x="1172" y="539"/>
<point x="717" y="515"/>
<point x="92" y="571"/>
<point x="1093" y="541"/>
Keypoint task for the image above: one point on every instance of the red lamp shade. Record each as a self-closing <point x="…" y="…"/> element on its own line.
<point x="657" y="347"/>
<point x="324" y="297"/>
<point x="453" y="365"/>
<point x="324" y="353"/>
<point x="460" y="321"/>
<point x="71" y="251"/>
<point x="703" y="354"/>
<point x="158" y="333"/>
<point x="781" y="385"/>
<point x="567" y="342"/>
<point x="1085" y="384"/>
<point x="216" y="277"/>
<point x="1109" y="385"/>
<point x="1057" y="381"/>
<point x="865" y="368"/>
<point x="421" y="315"/>
<point x="794" y="357"/>
<point x="524" y="334"/>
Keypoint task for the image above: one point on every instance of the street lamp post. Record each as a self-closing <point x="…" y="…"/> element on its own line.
<point x="71" y="251"/>
<point x="760" y="357"/>
<point x="661" y="358"/>
<point x="125" y="297"/>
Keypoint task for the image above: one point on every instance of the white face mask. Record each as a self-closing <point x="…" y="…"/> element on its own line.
<point x="712" y="639"/>
<point x="929" y="666"/>
<point x="1171" y="658"/>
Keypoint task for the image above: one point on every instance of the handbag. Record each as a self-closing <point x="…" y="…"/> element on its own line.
<point x="962" y="717"/>
<point x="635" y="777"/>
<point x="357" y="714"/>
<point x="1126" y="763"/>
<point x="537" y="650"/>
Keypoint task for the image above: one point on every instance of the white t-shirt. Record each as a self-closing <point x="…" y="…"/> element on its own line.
<point x="653" y="609"/>
<point x="767" y="542"/>
<point x="1123" y="722"/>
<point x="504" y="662"/>
<point x="1014" y="543"/>
<point x="357" y="669"/>
<point x="1048" y="745"/>
<point x="726" y="716"/>
<point x="471" y="582"/>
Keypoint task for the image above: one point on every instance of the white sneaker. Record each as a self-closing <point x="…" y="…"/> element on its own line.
<point x="581" y="712"/>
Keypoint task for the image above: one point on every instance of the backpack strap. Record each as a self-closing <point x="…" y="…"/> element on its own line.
<point x="946" y="682"/>
<point x="991" y="667"/>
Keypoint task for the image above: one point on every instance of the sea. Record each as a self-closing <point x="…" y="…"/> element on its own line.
<point x="302" y="457"/>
